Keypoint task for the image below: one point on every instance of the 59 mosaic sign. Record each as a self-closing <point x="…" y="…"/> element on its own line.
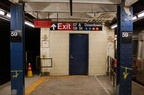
<point x="16" y="35"/>
<point x="126" y="37"/>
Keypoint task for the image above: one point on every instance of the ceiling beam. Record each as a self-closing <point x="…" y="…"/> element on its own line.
<point x="14" y="1"/>
<point x="86" y="18"/>
<point x="130" y="2"/>
<point x="75" y="14"/>
<point x="76" y="1"/>
<point x="62" y="7"/>
<point x="108" y="12"/>
<point x="80" y="20"/>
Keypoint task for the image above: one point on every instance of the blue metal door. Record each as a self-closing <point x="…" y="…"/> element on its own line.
<point x="78" y="57"/>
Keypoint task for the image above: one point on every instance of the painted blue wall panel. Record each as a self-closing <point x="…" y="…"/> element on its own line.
<point x="17" y="59"/>
<point x="17" y="50"/>
<point x="124" y="58"/>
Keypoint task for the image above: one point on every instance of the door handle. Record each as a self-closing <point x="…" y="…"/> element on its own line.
<point x="71" y="56"/>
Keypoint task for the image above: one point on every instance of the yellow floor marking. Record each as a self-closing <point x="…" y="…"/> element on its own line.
<point x="66" y="76"/>
<point x="138" y="84"/>
<point x="34" y="85"/>
<point x="43" y="78"/>
<point x="5" y="84"/>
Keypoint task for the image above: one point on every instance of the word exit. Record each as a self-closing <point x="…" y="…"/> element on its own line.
<point x="65" y="26"/>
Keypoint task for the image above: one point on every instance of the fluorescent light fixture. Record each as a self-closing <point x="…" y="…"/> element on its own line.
<point x="2" y="13"/>
<point x="134" y="18"/>
<point x="113" y="26"/>
<point x="29" y="24"/>
<point x="8" y="15"/>
<point x="141" y="14"/>
<point x="4" y="18"/>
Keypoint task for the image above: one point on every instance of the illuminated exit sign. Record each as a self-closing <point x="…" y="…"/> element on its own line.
<point x="77" y="26"/>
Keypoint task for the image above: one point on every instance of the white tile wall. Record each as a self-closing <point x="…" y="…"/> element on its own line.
<point x="59" y="51"/>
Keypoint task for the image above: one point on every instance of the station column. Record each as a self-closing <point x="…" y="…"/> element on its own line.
<point x="17" y="49"/>
<point x="124" y="54"/>
<point x="45" y="51"/>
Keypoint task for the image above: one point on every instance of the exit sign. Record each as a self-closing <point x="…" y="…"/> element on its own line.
<point x="77" y="26"/>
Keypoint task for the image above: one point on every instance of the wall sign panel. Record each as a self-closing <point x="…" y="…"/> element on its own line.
<point x="77" y="26"/>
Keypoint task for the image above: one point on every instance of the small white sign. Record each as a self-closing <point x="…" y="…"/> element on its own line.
<point x="45" y="44"/>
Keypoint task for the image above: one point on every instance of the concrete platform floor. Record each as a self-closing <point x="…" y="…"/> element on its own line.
<point x="6" y="88"/>
<point x="78" y="85"/>
<point x="70" y="85"/>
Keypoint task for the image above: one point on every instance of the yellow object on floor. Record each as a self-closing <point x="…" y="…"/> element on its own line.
<point x="29" y="74"/>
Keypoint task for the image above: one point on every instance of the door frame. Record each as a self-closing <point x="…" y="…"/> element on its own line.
<point x="87" y="51"/>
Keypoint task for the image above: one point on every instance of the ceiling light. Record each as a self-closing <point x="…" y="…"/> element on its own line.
<point x="2" y="13"/>
<point x="141" y="14"/>
<point x="8" y="15"/>
<point x="113" y="26"/>
<point x="4" y="18"/>
<point x="29" y="24"/>
<point x="134" y="18"/>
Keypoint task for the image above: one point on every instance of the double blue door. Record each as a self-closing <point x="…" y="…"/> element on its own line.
<point x="78" y="58"/>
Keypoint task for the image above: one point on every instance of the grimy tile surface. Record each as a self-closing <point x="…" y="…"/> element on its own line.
<point x="92" y="85"/>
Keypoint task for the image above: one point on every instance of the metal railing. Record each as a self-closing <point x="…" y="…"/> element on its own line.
<point x="111" y="70"/>
<point x="46" y="62"/>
